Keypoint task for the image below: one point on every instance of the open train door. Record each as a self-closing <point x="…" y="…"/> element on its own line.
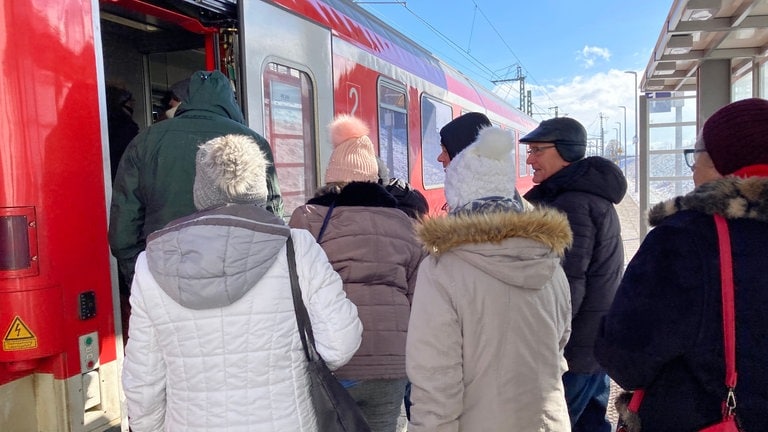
<point x="287" y="82"/>
<point x="58" y="353"/>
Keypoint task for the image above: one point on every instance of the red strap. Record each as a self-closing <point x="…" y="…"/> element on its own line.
<point x="729" y="313"/>
<point x="637" y="398"/>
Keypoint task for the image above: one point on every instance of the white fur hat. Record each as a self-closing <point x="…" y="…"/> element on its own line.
<point x="484" y="169"/>
<point x="230" y="169"/>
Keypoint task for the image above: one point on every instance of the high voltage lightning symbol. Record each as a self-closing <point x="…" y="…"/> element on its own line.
<point x="19" y="337"/>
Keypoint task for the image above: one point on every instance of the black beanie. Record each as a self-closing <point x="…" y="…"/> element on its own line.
<point x="462" y="131"/>
<point x="567" y="134"/>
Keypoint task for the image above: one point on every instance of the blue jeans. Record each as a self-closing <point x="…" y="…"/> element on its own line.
<point x="407" y="402"/>
<point x="587" y="399"/>
<point x="380" y="401"/>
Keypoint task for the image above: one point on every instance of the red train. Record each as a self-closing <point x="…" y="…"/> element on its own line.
<point x="294" y="64"/>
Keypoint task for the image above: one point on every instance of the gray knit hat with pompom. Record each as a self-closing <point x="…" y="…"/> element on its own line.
<point x="230" y="169"/>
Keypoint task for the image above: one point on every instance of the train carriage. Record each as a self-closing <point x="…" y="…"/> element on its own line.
<point x="293" y="64"/>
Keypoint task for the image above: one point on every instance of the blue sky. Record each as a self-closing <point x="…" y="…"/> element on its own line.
<point x="573" y="53"/>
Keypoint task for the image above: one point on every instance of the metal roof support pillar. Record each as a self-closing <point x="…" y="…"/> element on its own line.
<point x="713" y="88"/>
<point x="757" y="82"/>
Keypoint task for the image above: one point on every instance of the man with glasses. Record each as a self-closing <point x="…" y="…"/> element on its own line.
<point x="585" y="189"/>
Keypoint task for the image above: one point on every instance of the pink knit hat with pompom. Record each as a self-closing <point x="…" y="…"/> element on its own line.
<point x="353" y="157"/>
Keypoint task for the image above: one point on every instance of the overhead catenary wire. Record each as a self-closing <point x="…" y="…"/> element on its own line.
<point x="481" y="68"/>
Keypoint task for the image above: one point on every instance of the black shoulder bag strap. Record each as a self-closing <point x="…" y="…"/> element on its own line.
<point x="325" y="221"/>
<point x="302" y="317"/>
<point x="334" y="408"/>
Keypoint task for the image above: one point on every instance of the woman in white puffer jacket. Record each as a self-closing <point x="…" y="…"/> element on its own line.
<point x="213" y="342"/>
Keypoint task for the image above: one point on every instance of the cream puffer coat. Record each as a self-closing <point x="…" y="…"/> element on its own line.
<point x="213" y="341"/>
<point x="490" y="319"/>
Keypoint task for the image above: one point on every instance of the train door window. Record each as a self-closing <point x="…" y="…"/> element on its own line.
<point x="393" y="129"/>
<point x="290" y="129"/>
<point x="434" y="115"/>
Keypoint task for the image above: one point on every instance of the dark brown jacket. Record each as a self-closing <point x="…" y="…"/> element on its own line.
<point x="372" y="245"/>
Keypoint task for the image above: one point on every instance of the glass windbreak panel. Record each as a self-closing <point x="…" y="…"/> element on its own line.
<point x="664" y="107"/>
<point x="393" y="130"/>
<point x="672" y="137"/>
<point x="742" y="87"/>
<point x="668" y="164"/>
<point x="663" y="190"/>
<point x="289" y="128"/>
<point x="669" y="176"/>
<point x="434" y="115"/>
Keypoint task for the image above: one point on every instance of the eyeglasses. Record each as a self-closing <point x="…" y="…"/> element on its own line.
<point x="690" y="156"/>
<point x="534" y="151"/>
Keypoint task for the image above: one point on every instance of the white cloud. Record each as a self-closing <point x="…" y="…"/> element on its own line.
<point x="584" y="98"/>
<point x="590" y="54"/>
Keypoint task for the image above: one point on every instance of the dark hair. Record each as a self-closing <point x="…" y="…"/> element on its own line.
<point x="118" y="98"/>
<point x="409" y="200"/>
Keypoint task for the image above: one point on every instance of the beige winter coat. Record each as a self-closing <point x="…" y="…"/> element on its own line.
<point x="490" y="319"/>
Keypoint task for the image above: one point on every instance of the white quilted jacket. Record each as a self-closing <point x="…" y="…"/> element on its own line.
<point x="231" y="358"/>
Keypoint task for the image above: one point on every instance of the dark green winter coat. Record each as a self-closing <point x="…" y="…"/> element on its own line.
<point x="153" y="185"/>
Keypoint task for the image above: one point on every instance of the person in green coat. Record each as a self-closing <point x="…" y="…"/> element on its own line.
<point x="154" y="179"/>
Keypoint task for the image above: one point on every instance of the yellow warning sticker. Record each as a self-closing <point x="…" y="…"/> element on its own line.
<point x="19" y="337"/>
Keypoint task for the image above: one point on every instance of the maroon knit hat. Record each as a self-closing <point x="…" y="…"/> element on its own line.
<point x="736" y="135"/>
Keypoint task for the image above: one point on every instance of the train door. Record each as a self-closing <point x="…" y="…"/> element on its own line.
<point x="61" y="345"/>
<point x="147" y="52"/>
<point x="58" y="356"/>
<point x="288" y="87"/>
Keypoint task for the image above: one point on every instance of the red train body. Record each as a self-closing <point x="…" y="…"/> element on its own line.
<point x="294" y="64"/>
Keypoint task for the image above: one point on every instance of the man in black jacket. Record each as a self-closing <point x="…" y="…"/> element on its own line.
<point x="586" y="189"/>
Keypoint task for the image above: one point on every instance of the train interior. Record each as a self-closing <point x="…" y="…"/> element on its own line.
<point x="149" y="46"/>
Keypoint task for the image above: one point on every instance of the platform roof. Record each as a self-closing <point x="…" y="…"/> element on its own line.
<point x="698" y="30"/>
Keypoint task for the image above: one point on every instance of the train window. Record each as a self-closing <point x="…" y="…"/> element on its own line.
<point x="290" y="130"/>
<point x="434" y="115"/>
<point x="393" y="129"/>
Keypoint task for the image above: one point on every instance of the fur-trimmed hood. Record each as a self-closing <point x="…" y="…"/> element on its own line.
<point x="521" y="249"/>
<point x="732" y="197"/>
<point x="545" y="225"/>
